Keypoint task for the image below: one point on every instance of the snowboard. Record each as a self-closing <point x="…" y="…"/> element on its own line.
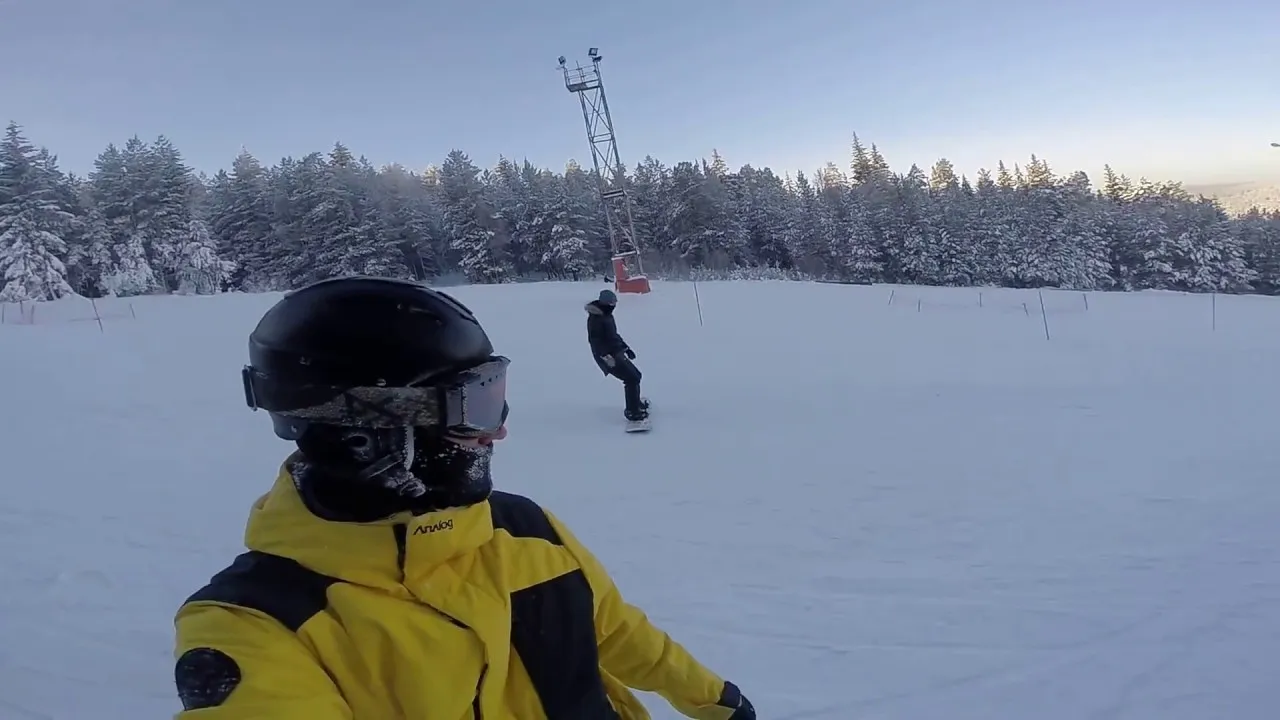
<point x="641" y="426"/>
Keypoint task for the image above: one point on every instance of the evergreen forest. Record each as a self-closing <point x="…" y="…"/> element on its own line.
<point x="143" y="222"/>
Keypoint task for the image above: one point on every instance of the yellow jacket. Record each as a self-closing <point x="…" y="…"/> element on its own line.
<point x="491" y="612"/>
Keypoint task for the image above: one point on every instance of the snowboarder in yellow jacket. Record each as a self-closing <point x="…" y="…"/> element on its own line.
<point x="385" y="579"/>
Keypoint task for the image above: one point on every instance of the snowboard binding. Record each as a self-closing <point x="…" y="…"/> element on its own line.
<point x="643" y="424"/>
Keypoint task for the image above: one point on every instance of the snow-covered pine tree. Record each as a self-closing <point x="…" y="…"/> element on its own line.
<point x="811" y="230"/>
<point x="506" y="191"/>
<point x="468" y="222"/>
<point x="943" y="176"/>
<point x="68" y="191"/>
<point x="32" y="224"/>
<point x="563" y="231"/>
<point x="198" y="268"/>
<point x="853" y="245"/>
<point x="404" y="214"/>
<point x="768" y="217"/>
<point x="1258" y="234"/>
<point x="1040" y="204"/>
<point x="696" y="218"/>
<point x="166" y="209"/>
<point x="649" y="195"/>
<point x="953" y="210"/>
<point x="342" y="228"/>
<point x="241" y="219"/>
<point x="90" y="256"/>
<point x="1115" y="187"/>
<point x="584" y="186"/>
<point x="866" y="164"/>
<point x="131" y="273"/>
<point x="117" y="187"/>
<point x="440" y="246"/>
<point x="910" y="215"/>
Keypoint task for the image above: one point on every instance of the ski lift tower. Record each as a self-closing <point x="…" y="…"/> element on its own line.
<point x="611" y="174"/>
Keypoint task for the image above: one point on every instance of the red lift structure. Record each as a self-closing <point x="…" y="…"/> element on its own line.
<point x="611" y="174"/>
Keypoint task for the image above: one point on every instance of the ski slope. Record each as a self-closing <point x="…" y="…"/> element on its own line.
<point x="853" y="509"/>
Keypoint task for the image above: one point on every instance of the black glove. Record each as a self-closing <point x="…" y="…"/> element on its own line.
<point x="631" y="353"/>
<point x="732" y="697"/>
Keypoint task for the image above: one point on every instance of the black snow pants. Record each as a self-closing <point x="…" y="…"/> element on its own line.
<point x="629" y="374"/>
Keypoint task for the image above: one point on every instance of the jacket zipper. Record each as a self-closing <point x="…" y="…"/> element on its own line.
<point x="475" y="704"/>
<point x="401" y="532"/>
<point x="484" y="669"/>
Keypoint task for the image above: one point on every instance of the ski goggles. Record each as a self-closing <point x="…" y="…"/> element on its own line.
<point x="470" y="403"/>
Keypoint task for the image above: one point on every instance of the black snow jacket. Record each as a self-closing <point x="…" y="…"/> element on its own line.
<point x="602" y="332"/>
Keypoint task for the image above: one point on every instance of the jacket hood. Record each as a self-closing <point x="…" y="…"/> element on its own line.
<point x="384" y="554"/>
<point x="595" y="308"/>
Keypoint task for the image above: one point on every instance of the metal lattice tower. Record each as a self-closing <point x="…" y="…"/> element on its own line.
<point x="611" y="174"/>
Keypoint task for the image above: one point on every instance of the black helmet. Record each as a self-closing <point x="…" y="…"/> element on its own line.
<point x="373" y="352"/>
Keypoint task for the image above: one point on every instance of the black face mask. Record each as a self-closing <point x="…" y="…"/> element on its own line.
<point x="361" y="475"/>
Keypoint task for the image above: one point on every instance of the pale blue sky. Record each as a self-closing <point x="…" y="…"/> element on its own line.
<point x="1186" y="89"/>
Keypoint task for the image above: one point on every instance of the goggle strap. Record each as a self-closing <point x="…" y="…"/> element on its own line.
<point x="374" y="407"/>
<point x="435" y="405"/>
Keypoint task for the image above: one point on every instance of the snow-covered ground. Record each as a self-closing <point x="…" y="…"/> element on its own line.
<point x="854" y="509"/>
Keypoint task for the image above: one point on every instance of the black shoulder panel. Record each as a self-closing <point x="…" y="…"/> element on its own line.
<point x="554" y="634"/>
<point x="521" y="517"/>
<point x="273" y="585"/>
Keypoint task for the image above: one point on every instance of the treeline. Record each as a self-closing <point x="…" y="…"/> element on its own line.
<point x="144" y="222"/>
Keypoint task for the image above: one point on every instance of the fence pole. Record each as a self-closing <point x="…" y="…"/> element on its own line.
<point x="697" y="299"/>
<point x="979" y="299"/>
<point x="891" y="292"/>
<point x="1043" y="315"/>
<point x="1086" y="301"/>
<point x="1215" y="311"/>
<point x="97" y="315"/>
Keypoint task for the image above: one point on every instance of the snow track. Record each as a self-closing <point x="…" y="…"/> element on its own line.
<point x="853" y="510"/>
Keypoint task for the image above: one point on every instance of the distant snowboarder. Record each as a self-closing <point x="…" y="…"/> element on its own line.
<point x="613" y="355"/>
